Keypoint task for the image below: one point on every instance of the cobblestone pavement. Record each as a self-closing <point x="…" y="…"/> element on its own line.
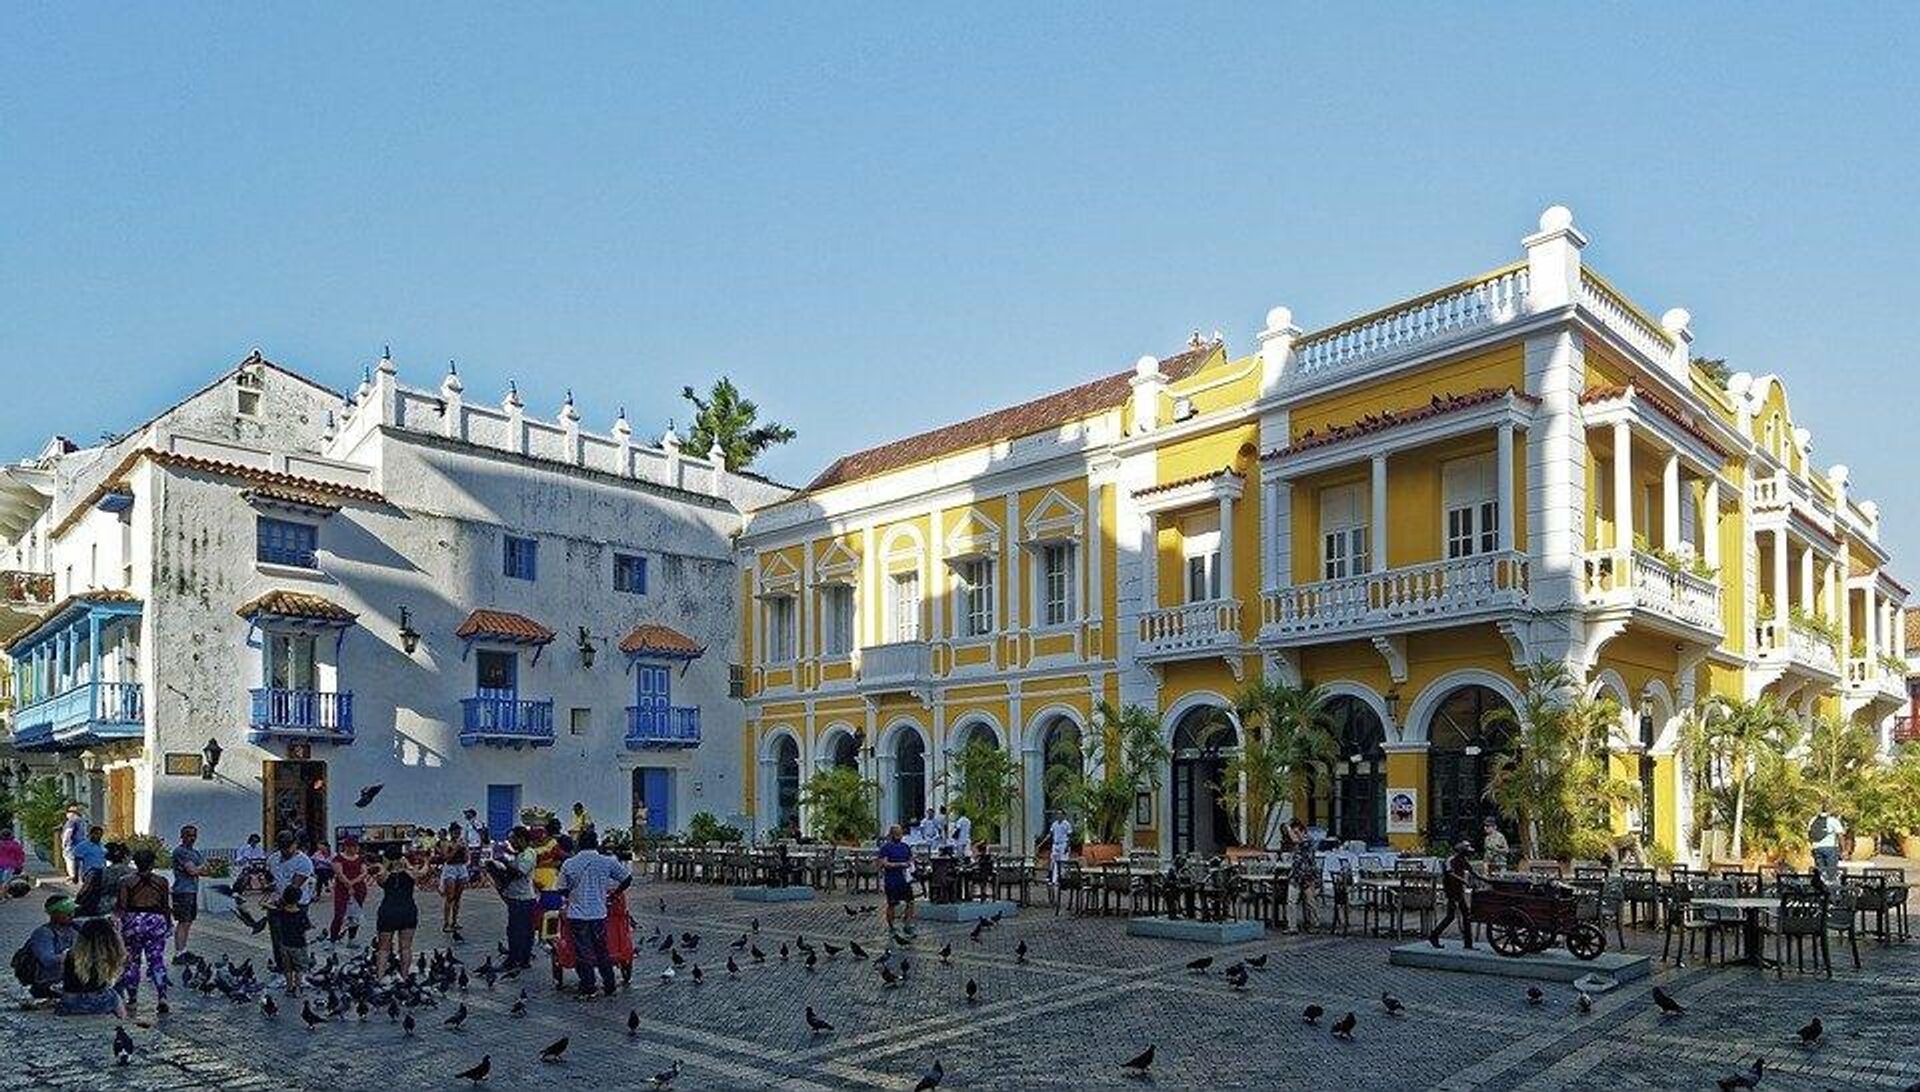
<point x="1089" y="997"/>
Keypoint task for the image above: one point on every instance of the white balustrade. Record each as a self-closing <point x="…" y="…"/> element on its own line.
<point x="1435" y="589"/>
<point x="1426" y="321"/>
<point x="1621" y="317"/>
<point x="1201" y="627"/>
<point x="1638" y="579"/>
<point x="1767" y="493"/>
<point x="902" y="663"/>
<point x="1798" y="643"/>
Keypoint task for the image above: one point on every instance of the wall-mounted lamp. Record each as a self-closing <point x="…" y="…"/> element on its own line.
<point x="586" y="649"/>
<point x="209" y="759"/>
<point x="409" y="637"/>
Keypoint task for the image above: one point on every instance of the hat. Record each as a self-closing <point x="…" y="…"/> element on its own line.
<point x="61" y="904"/>
<point x="284" y="838"/>
<point x="1463" y="847"/>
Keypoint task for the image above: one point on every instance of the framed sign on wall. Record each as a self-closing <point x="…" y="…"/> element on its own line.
<point x="1403" y="811"/>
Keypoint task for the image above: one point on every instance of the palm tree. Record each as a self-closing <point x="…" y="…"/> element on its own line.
<point x="1736" y="737"/>
<point x="1288" y="736"/>
<point x="1555" y="779"/>
<point x="729" y="418"/>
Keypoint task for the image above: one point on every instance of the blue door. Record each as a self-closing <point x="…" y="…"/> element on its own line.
<point x="503" y="810"/>
<point x="653" y="790"/>
<point x="653" y="698"/>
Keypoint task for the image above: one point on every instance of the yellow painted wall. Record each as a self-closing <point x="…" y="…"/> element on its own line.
<point x="1498" y="368"/>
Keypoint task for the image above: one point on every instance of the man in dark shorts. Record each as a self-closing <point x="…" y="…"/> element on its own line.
<point x="896" y="870"/>
<point x="1454" y="882"/>
<point x="187" y="865"/>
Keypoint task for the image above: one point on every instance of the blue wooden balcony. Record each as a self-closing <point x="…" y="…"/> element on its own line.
<point x="94" y="712"/>
<point x="506" y="722"/>
<point x="322" y="715"/>
<point x="656" y="728"/>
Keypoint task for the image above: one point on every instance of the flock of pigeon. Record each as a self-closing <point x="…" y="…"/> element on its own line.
<point x="351" y="992"/>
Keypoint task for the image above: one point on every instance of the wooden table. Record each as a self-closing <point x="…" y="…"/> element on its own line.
<point x="1750" y="908"/>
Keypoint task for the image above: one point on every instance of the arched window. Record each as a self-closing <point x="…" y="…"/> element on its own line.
<point x="1355" y="796"/>
<point x="845" y="753"/>
<point x="1201" y="823"/>
<point x="786" y="782"/>
<point x="1060" y="757"/>
<point x="1467" y="731"/>
<point x="909" y="778"/>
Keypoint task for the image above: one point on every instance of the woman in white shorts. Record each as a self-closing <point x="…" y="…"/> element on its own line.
<point x="452" y="858"/>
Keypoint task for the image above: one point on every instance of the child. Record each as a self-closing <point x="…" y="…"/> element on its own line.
<point x="290" y="927"/>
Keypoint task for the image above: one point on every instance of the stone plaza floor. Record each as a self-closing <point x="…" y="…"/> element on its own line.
<point x="1088" y="998"/>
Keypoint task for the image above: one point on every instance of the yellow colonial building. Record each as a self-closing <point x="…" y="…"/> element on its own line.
<point x="1405" y="507"/>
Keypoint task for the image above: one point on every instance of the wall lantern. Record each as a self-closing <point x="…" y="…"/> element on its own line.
<point x="209" y="759"/>
<point x="586" y="649"/>
<point x="409" y="637"/>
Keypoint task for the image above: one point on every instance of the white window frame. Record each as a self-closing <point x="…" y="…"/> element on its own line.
<point x="781" y="612"/>
<point x="836" y="619"/>
<point x="1200" y="545"/>
<point x="275" y="649"/>
<point x="974" y="596"/>
<point x="903" y="605"/>
<point x="1056" y="582"/>
<point x="1346" y="541"/>
<point x="1470" y="506"/>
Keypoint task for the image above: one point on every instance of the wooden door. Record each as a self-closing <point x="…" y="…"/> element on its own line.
<point x="120" y="799"/>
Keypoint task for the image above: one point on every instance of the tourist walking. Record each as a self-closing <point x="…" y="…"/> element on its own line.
<point x="100" y="887"/>
<point x="13" y="858"/>
<point x="962" y="834"/>
<point x="1493" y="846"/>
<point x="1453" y="882"/>
<point x="581" y="824"/>
<point x="1824" y="835"/>
<point x="49" y="943"/>
<point x="146" y="921"/>
<point x="1061" y="834"/>
<point x="513" y="878"/>
<point x="88" y="855"/>
<point x="291" y="873"/>
<point x="896" y="871"/>
<point x="90" y="972"/>
<point x="350" y="887"/>
<point x="73" y="831"/>
<point x="452" y="859"/>
<point x="1303" y="875"/>
<point x="588" y="877"/>
<point x="399" y="914"/>
<point x="188" y="863"/>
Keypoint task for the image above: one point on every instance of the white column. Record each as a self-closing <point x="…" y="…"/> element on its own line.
<point x="1780" y="580"/>
<point x="1379" y="513"/>
<point x="1013" y="577"/>
<point x="1872" y="615"/>
<point x="1280" y="556"/>
<point x="1503" y="485"/>
<point x="1096" y="567"/>
<point x="1226" y="547"/>
<point x="1899" y="634"/>
<point x="1149" y="569"/>
<point x="1670" y="502"/>
<point x="1806" y="580"/>
<point x="1710" y="523"/>
<point x="1622" y="486"/>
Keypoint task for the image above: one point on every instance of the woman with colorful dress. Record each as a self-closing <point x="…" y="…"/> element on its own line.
<point x="145" y="906"/>
<point x="619" y="941"/>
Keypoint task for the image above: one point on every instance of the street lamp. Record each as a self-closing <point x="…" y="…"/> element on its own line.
<point x="209" y="759"/>
<point x="586" y="649"/>
<point x="409" y="637"/>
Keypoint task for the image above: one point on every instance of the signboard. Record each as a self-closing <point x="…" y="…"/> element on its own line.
<point x="1403" y="811"/>
<point x="299" y="752"/>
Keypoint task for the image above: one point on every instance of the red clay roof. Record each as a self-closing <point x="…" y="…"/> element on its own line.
<point x="660" y="641"/>
<point x="115" y="481"/>
<point x="1437" y="406"/>
<point x="293" y="604"/>
<point x="1608" y="392"/>
<point x="293" y="497"/>
<point x="503" y="626"/>
<point x="1195" y="480"/>
<point x="1014" y="421"/>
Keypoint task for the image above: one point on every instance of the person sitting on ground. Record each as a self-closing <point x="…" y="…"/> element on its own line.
<point x="13" y="858"/>
<point x="48" y="945"/>
<point x="91" y="970"/>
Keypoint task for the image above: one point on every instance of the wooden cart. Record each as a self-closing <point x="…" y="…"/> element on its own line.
<point x="1525" y="917"/>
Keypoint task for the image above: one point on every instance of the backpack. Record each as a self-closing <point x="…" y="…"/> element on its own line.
<point x="26" y="967"/>
<point x="1817" y="831"/>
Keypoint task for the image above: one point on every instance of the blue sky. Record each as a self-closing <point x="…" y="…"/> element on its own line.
<point x="942" y="212"/>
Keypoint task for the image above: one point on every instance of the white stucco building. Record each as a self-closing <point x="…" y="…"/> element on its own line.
<point x="471" y="605"/>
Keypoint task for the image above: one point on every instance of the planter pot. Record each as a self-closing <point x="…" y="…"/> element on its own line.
<point x="1910" y="847"/>
<point x="1099" y="853"/>
<point x="1864" y="849"/>
<point x="1246" y="853"/>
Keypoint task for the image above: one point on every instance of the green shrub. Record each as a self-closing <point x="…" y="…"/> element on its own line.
<point x="42" y="808"/>
<point x="841" y="805"/>
<point x="705" y="829"/>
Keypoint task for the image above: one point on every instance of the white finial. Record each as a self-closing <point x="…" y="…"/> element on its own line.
<point x="1676" y="320"/>
<point x="621" y="428"/>
<point x="670" y="439"/>
<point x="1146" y="366"/>
<point x="366" y="383"/>
<point x="1279" y="318"/>
<point x="386" y="360"/>
<point x="1556" y="218"/>
<point x="1837" y="474"/>
<point x="451" y="384"/>
<point x="1739" y="383"/>
<point x="717" y="454"/>
<point x="1870" y="509"/>
<point x="1804" y="438"/>
<point x="332" y="426"/>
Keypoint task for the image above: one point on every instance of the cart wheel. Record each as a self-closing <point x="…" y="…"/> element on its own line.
<point x="1509" y="934"/>
<point x="1587" y="941"/>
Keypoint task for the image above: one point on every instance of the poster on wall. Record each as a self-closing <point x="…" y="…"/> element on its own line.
<point x="1403" y="811"/>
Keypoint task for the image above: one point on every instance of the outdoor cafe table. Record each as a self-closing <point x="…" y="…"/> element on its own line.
<point x="1097" y="877"/>
<point x="1750" y="908"/>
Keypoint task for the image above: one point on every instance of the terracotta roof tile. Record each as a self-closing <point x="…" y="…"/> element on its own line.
<point x="293" y="497"/>
<point x="115" y="481"/>
<point x="1437" y="406"/>
<point x="1004" y="424"/>
<point x="503" y="626"/>
<point x="1224" y="471"/>
<point x="660" y="641"/>
<point x="1608" y="392"/>
<point x="293" y="604"/>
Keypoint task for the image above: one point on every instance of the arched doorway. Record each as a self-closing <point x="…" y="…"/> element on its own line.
<point x="1352" y="800"/>
<point x="909" y="778"/>
<point x="1464" y="741"/>
<point x="1201" y="823"/>
<point x="843" y="752"/>
<point x="1060" y="757"/>
<point x="974" y="731"/>
<point x="786" y="784"/>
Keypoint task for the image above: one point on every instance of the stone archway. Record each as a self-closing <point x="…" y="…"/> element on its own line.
<point x="1203" y="738"/>
<point x="1464" y="736"/>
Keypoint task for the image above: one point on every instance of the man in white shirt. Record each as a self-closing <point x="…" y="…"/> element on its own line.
<point x="962" y="834"/>
<point x="930" y="834"/>
<point x="1825" y="833"/>
<point x="292" y="872"/>
<point x="1061" y="833"/>
<point x="588" y="877"/>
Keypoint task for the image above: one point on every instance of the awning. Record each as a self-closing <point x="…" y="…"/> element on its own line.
<point x="296" y="606"/>
<point x="661" y="642"/>
<point x="504" y="626"/>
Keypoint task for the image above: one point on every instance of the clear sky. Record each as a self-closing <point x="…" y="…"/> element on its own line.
<point x="879" y="222"/>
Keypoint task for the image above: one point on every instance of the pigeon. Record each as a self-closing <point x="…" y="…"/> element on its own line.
<point x="122" y="1046"/>
<point x="1391" y="1003"/>
<point x="832" y="950"/>
<point x="854" y="947"/>
<point x="741" y="944"/>
<point x="973" y="991"/>
<point x="732" y="967"/>
<point x="666" y="974"/>
<point x="367" y="794"/>
<point x="518" y="1010"/>
<point x="1138" y="1065"/>
<point x="946" y="953"/>
<point x="887" y="976"/>
<point x="1343" y="1027"/>
<point x="1586" y="1001"/>
<point x="758" y="955"/>
<point x="1668" y="1005"/>
<point x="361" y="1008"/>
<point x="663" y="906"/>
<point x="665" y="1077"/>
<point x="555" y="1049"/>
<point x="1259" y="962"/>
<point x="1312" y="1015"/>
<point x="783" y="953"/>
<point x="815" y="1024"/>
<point x="393" y="1009"/>
<point x="267" y="1007"/>
<point x="1749" y="1079"/>
<point x="978" y="928"/>
<point x="459" y="1017"/>
<point x="1237" y="976"/>
<point x="1020" y="953"/>
<point x="1535" y="995"/>
<point x="698" y="974"/>
<point x="852" y="912"/>
<point x="1811" y="1034"/>
<point x="309" y="1017"/>
<point x="931" y="1079"/>
<point x="1199" y="966"/>
<point x="406" y="1025"/>
<point x="463" y="981"/>
<point x="812" y="961"/>
<point x="633" y="1022"/>
<point x="479" y="1072"/>
<point x="255" y="925"/>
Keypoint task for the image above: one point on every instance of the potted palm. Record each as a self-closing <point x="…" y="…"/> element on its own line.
<point x="1286" y="735"/>
<point x="1736" y="750"/>
<point x="984" y="781"/>
<point x="1102" y="802"/>
<point x="1555" y="779"/>
<point x="840" y="805"/>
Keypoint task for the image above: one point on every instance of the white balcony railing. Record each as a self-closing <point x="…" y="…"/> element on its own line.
<point x="1635" y="578"/>
<point x="1434" y="590"/>
<point x="1419" y="323"/>
<point x="1190" y="629"/>
<point x="1869" y="673"/>
<point x="1624" y="319"/>
<point x="901" y="664"/>
<point x="1797" y="644"/>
